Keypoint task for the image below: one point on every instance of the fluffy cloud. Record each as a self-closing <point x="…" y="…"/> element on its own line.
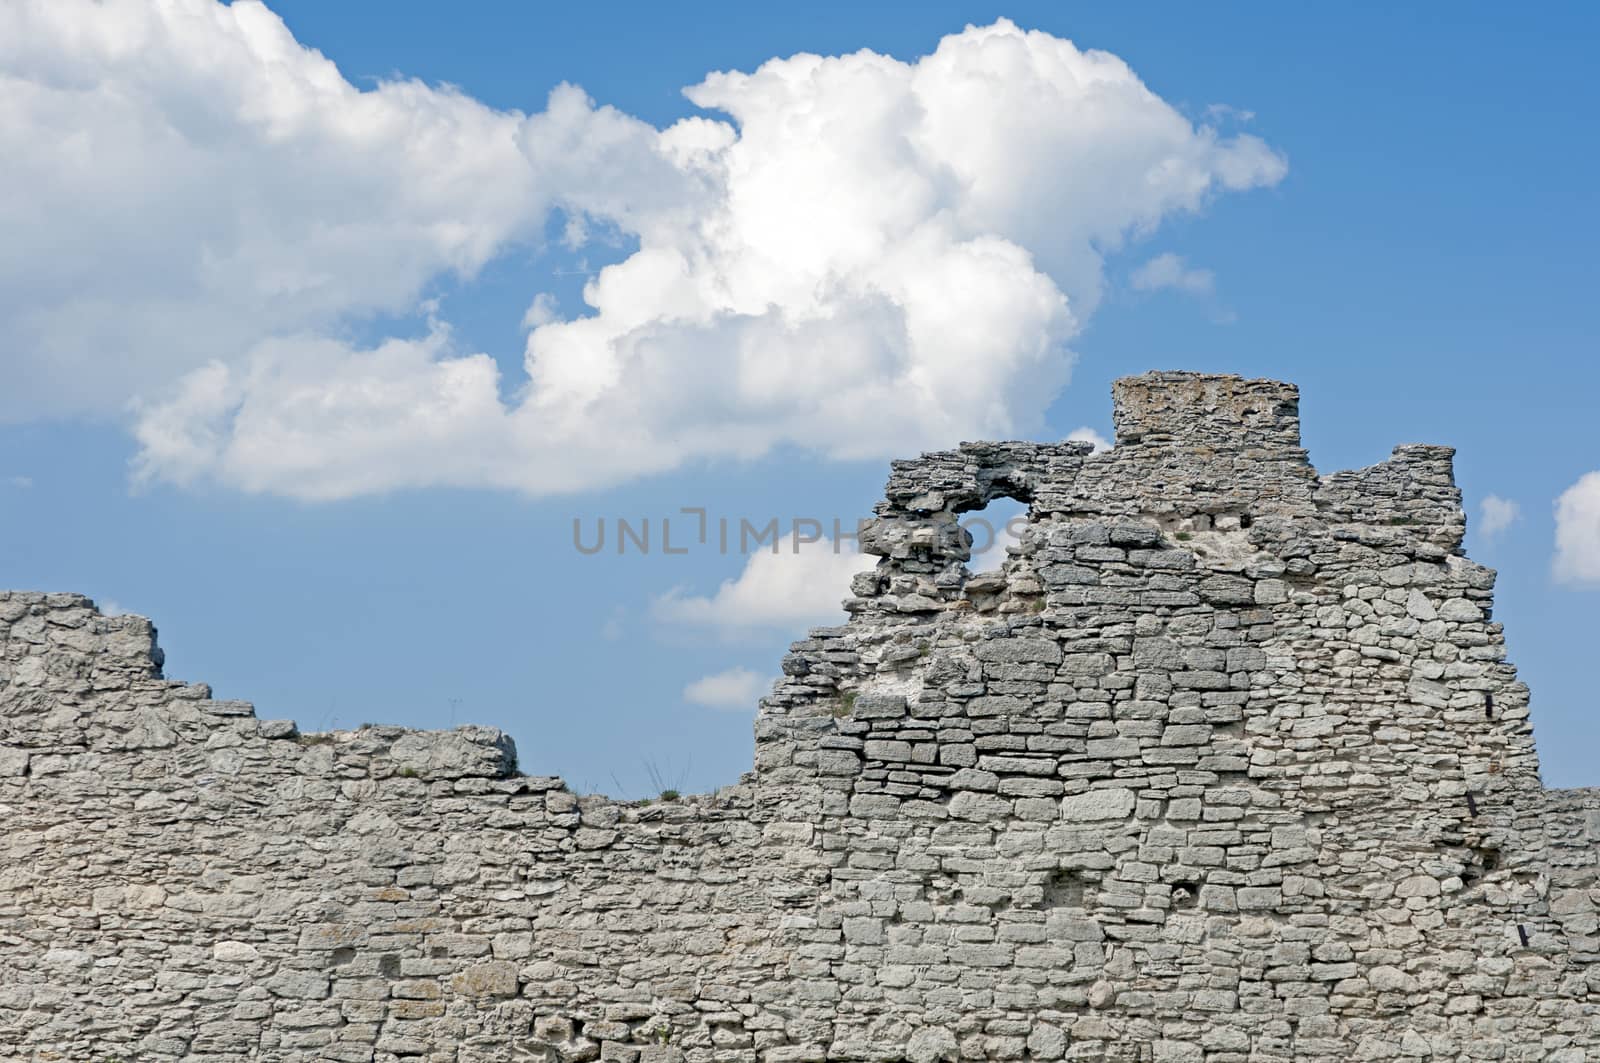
<point x="736" y="689"/>
<point x="184" y="179"/>
<point x="1496" y="514"/>
<point x="784" y="591"/>
<point x="1168" y="270"/>
<point x="1577" y="560"/>
<point x="864" y="256"/>
<point x="1085" y="434"/>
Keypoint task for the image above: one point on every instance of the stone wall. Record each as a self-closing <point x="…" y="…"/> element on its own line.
<point x="1225" y="765"/>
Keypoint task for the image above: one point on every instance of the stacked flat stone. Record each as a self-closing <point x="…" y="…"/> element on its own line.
<point x="1225" y="765"/>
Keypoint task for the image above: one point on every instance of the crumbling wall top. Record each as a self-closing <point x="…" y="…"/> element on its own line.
<point x="1205" y="409"/>
<point x="1224" y="762"/>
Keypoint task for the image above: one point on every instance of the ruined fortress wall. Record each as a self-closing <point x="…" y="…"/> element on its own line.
<point x="1226" y="765"/>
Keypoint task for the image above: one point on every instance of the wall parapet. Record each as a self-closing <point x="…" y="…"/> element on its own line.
<point x="1204" y="410"/>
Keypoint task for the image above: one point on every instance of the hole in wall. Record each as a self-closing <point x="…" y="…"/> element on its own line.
<point x="1185" y="894"/>
<point x="993" y="528"/>
<point x="1065" y="889"/>
<point x="1481" y="861"/>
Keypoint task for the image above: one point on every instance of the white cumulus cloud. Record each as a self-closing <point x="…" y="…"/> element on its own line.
<point x="1577" y="560"/>
<point x="799" y="586"/>
<point x="1168" y="270"/>
<point x="1085" y="434"/>
<point x="736" y="689"/>
<point x="1496" y="514"/>
<point x="855" y="254"/>
<point x="184" y="179"/>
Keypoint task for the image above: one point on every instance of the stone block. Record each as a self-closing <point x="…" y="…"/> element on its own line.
<point x="1096" y="805"/>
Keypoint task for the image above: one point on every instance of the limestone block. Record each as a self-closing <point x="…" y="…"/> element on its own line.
<point x="496" y="978"/>
<point x="466" y="751"/>
<point x="234" y="952"/>
<point x="931" y="1044"/>
<point x="1104" y="804"/>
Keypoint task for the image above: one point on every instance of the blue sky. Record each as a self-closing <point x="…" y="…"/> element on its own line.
<point x="1411" y="242"/>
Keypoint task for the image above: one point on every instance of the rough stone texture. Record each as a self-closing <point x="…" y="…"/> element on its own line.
<point x="1226" y="765"/>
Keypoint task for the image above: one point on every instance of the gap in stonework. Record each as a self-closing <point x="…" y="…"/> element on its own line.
<point x="994" y="528"/>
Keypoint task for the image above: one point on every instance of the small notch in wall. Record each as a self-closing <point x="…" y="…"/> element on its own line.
<point x="1063" y="889"/>
<point x="1472" y="805"/>
<point x="1488" y="706"/>
<point x="1522" y="932"/>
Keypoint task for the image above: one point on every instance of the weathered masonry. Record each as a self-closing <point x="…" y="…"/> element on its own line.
<point x="1226" y="765"/>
